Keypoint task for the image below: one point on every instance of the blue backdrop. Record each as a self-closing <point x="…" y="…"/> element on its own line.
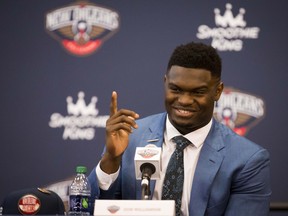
<point x="60" y="61"/>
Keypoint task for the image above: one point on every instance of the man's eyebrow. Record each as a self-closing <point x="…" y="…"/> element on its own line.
<point x="204" y="87"/>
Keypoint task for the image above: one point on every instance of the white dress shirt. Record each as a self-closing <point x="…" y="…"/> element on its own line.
<point x="191" y="155"/>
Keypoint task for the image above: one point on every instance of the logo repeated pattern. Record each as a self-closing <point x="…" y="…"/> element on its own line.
<point x="82" y="27"/>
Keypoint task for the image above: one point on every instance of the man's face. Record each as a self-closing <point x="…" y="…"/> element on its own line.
<point x="189" y="97"/>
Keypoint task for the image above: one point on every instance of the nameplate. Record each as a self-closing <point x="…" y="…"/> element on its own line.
<point x="134" y="207"/>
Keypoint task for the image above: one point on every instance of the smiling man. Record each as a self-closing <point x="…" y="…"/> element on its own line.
<point x="217" y="172"/>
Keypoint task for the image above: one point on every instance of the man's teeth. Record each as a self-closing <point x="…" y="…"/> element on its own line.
<point x="184" y="111"/>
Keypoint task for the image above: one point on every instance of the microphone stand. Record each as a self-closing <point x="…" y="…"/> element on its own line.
<point x="145" y="188"/>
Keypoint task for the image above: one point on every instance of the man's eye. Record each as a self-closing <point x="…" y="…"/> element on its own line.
<point x="200" y="92"/>
<point x="175" y="89"/>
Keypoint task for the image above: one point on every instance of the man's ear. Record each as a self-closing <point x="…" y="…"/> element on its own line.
<point x="219" y="90"/>
<point x="165" y="79"/>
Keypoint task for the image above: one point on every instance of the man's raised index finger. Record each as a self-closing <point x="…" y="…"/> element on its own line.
<point x="113" y="104"/>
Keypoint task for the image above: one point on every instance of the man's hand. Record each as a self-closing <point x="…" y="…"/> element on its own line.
<point x="118" y="128"/>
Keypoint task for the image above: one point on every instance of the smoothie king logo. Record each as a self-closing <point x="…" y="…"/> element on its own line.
<point x="230" y="30"/>
<point x="81" y="28"/>
<point x="81" y="120"/>
<point x="239" y="111"/>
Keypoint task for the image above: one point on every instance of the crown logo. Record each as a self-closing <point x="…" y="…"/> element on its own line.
<point x="80" y="107"/>
<point x="228" y="19"/>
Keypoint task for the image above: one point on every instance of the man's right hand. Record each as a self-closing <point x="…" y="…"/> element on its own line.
<point x="118" y="128"/>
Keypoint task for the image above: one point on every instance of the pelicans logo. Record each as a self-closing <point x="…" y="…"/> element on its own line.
<point x="239" y="111"/>
<point x="113" y="209"/>
<point x="81" y="28"/>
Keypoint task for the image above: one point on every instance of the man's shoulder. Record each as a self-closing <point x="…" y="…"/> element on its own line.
<point x="152" y="123"/>
<point x="234" y="140"/>
<point x="237" y="150"/>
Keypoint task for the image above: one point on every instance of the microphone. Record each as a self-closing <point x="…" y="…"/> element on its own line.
<point x="147" y="166"/>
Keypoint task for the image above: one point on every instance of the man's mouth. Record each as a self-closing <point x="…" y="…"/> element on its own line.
<point x="184" y="112"/>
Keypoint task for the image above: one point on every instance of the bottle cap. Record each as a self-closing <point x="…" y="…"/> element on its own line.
<point x="81" y="169"/>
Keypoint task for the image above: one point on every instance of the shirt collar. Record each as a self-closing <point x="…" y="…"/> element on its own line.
<point x="197" y="137"/>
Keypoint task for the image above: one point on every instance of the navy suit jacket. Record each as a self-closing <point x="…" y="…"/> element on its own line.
<point x="232" y="176"/>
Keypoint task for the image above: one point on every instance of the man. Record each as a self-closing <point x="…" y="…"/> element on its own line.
<point x="224" y="174"/>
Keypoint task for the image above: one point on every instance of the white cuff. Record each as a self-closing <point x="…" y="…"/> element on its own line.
<point x="105" y="180"/>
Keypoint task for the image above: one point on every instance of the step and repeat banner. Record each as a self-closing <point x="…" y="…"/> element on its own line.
<point x="61" y="60"/>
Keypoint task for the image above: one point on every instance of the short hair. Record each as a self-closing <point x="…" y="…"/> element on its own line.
<point x="196" y="55"/>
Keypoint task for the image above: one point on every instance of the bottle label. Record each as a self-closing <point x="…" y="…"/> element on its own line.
<point x="79" y="203"/>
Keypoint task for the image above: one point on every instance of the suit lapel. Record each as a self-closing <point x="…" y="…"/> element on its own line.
<point x="209" y="162"/>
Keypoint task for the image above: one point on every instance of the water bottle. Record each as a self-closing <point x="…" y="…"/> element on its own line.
<point x="80" y="193"/>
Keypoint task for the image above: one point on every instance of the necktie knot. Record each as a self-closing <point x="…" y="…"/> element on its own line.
<point x="181" y="142"/>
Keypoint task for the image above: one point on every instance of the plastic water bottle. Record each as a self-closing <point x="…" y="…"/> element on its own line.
<point x="80" y="193"/>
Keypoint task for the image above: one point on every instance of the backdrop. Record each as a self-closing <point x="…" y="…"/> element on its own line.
<point x="60" y="61"/>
